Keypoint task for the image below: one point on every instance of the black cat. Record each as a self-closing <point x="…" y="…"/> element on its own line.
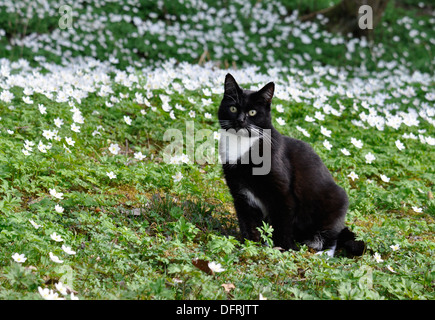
<point x="297" y="196"/>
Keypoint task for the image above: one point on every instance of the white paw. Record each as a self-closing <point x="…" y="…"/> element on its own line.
<point x="328" y="252"/>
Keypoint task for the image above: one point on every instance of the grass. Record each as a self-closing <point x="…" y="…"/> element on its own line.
<point x="148" y="235"/>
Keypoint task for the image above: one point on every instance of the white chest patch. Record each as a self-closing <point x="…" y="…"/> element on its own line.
<point x="233" y="146"/>
<point x="255" y="202"/>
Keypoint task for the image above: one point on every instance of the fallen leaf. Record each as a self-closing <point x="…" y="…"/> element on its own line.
<point x="69" y="289"/>
<point x="279" y="249"/>
<point x="30" y="268"/>
<point x="228" y="287"/>
<point x="202" y="265"/>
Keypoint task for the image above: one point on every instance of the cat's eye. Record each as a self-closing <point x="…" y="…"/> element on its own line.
<point x="252" y="112"/>
<point x="233" y="109"/>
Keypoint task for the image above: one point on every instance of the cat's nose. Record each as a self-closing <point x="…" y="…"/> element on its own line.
<point x="241" y="119"/>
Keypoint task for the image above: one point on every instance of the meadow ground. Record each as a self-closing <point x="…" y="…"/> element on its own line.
<point x="91" y="209"/>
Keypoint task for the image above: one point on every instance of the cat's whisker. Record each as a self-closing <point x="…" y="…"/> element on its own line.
<point x="267" y="138"/>
<point x="226" y="124"/>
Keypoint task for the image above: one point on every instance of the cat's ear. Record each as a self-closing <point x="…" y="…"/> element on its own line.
<point x="267" y="92"/>
<point x="231" y="86"/>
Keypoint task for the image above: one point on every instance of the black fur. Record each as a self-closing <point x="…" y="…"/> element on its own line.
<point x="298" y="197"/>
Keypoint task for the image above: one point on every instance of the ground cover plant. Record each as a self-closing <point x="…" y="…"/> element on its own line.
<point x="89" y="207"/>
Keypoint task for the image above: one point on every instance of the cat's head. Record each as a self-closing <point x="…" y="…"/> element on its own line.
<point x="245" y="109"/>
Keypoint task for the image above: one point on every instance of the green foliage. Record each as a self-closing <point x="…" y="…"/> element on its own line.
<point x="138" y="224"/>
<point x="266" y="234"/>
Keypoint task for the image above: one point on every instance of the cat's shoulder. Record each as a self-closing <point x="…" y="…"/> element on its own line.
<point x="295" y="147"/>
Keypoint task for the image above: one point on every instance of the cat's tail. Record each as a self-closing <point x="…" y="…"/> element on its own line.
<point x="346" y="240"/>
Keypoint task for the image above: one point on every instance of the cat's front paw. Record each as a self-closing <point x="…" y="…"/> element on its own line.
<point x="286" y="244"/>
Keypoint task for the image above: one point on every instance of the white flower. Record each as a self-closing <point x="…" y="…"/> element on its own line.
<point x="139" y="156"/>
<point x="68" y="250"/>
<point x="54" y="258"/>
<point x="207" y="115"/>
<point x="309" y="119"/>
<point x="179" y="107"/>
<point x="279" y="108"/>
<point x="77" y="117"/>
<point x="327" y="144"/>
<point x="48" y="134"/>
<point x="58" y="122"/>
<point x="215" y="267"/>
<point x="111" y="175"/>
<point x="25" y="152"/>
<point x="399" y="145"/>
<point x="42" y="147"/>
<point x="319" y="116"/>
<point x="75" y="128"/>
<point x="48" y="294"/>
<point x="385" y="178"/>
<point x="395" y="247"/>
<point x="391" y="269"/>
<point x="353" y="176"/>
<point x="175" y="160"/>
<point x="192" y="114"/>
<point x="54" y="193"/>
<point x="42" y="109"/>
<point x="325" y="132"/>
<point x="27" y="100"/>
<point x="66" y="148"/>
<point x="304" y="132"/>
<point x="261" y="297"/>
<point x="417" y="209"/>
<point x="206" y="102"/>
<point x="177" y="177"/>
<point x="34" y="224"/>
<point x="184" y="158"/>
<point x="95" y="132"/>
<point x="70" y="141"/>
<point x="6" y="96"/>
<point x="166" y="107"/>
<point x="28" y="145"/>
<point x="370" y="157"/>
<point x="113" y="60"/>
<point x="56" y="237"/>
<point x="357" y="143"/>
<point x="377" y="257"/>
<point x="114" y="148"/>
<point x="61" y="288"/>
<point x="280" y="121"/>
<point x="73" y="297"/>
<point x="28" y="91"/>
<point x="345" y="152"/>
<point x="430" y="141"/>
<point x="58" y="208"/>
<point x="127" y="120"/>
<point x="20" y="258"/>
